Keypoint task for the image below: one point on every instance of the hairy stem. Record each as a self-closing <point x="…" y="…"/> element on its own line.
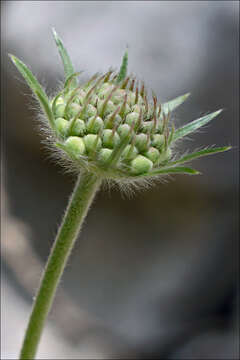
<point x="79" y="203"/>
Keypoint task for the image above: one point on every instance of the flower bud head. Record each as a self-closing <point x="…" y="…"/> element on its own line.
<point x="114" y="125"/>
<point x="111" y="127"/>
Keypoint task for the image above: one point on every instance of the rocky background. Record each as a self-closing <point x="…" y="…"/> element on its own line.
<point x="153" y="276"/>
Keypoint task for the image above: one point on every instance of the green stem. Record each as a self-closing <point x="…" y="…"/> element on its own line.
<point x="80" y="201"/>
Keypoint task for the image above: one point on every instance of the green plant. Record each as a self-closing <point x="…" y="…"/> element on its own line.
<point x="105" y="130"/>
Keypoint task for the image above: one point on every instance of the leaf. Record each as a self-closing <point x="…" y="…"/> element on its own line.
<point x="194" y="125"/>
<point x="171" y="170"/>
<point x="173" y="104"/>
<point x="67" y="64"/>
<point x="46" y="108"/>
<point x="123" y="69"/>
<point x="198" y="154"/>
<point x="35" y="86"/>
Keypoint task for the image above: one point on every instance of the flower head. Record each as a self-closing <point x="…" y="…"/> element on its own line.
<point x="110" y="126"/>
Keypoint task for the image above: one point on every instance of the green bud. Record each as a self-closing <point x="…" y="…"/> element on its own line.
<point x="147" y="126"/>
<point x="93" y="100"/>
<point x="130" y="152"/>
<point x="127" y="109"/>
<point x="141" y="142"/>
<point x="92" y="142"/>
<point x="158" y="141"/>
<point x="152" y="154"/>
<point x="141" y="165"/>
<point x="75" y="145"/>
<point x="131" y="98"/>
<point x="104" y="155"/>
<point x="165" y="155"/>
<point x="79" y="128"/>
<point x="110" y="122"/>
<point x="110" y="107"/>
<point x="62" y="126"/>
<point x="123" y="130"/>
<point x="59" y="101"/>
<point x="73" y="110"/>
<point x="60" y="109"/>
<point x="132" y="117"/>
<point x="81" y="97"/>
<point x="106" y="86"/>
<point x="94" y="124"/>
<point x="89" y="112"/>
<point x="105" y="89"/>
<point x="118" y="96"/>
<point x="110" y="138"/>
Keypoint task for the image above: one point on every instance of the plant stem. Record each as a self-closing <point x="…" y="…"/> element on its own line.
<point x="79" y="203"/>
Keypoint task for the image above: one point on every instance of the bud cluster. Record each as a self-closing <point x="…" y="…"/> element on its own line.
<point x="111" y="127"/>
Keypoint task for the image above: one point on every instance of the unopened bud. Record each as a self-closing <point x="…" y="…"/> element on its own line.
<point x="62" y="126"/>
<point x="79" y="128"/>
<point x="75" y="145"/>
<point x="92" y="142"/>
<point x="104" y="155"/>
<point x="141" y="165"/>
<point x="152" y="154"/>
<point x="110" y="139"/>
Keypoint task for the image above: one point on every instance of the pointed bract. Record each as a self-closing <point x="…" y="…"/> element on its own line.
<point x="194" y="125"/>
<point x="171" y="170"/>
<point x="35" y="87"/>
<point x="198" y="154"/>
<point x="123" y="69"/>
<point x="67" y="63"/>
<point x="173" y="104"/>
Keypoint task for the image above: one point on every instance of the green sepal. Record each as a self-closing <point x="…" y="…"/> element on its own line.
<point x="194" y="125"/>
<point x="123" y="69"/>
<point x="67" y="63"/>
<point x="173" y="104"/>
<point x="35" y="87"/>
<point x="47" y="109"/>
<point x="198" y="154"/>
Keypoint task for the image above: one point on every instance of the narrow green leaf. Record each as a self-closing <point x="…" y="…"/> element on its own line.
<point x="198" y="154"/>
<point x="123" y="69"/>
<point x="67" y="64"/>
<point x="194" y="125"/>
<point x="171" y="170"/>
<point x="35" y="87"/>
<point x="173" y="104"/>
<point x="46" y="108"/>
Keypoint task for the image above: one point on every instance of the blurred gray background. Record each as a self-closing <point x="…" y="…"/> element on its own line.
<point x="154" y="276"/>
